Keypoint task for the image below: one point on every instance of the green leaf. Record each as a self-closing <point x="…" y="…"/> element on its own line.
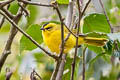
<point x="97" y="34"/>
<point x="95" y="23"/>
<point x="117" y="3"/>
<point x="95" y="49"/>
<point x="35" y="32"/>
<point x="63" y="1"/>
<point x="95" y="58"/>
<point x="13" y="8"/>
<point x="67" y="69"/>
<point x="33" y="14"/>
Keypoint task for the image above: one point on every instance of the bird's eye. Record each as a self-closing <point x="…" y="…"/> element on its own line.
<point x="48" y="28"/>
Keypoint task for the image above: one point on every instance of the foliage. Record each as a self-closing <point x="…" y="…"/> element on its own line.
<point x="98" y="59"/>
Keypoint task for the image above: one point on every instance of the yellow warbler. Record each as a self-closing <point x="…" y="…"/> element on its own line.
<point x="51" y="33"/>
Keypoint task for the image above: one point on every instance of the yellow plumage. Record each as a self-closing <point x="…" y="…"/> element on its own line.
<point x="52" y="38"/>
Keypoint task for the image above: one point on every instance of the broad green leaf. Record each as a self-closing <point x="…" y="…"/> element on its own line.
<point x="95" y="58"/>
<point x="5" y="27"/>
<point x="67" y="69"/>
<point x="63" y="1"/>
<point x="13" y="8"/>
<point x="35" y="32"/>
<point x="95" y="49"/>
<point x="117" y="3"/>
<point x="33" y="14"/>
<point x="97" y="35"/>
<point x="95" y="23"/>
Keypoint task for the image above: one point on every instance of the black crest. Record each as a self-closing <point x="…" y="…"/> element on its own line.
<point x="45" y="24"/>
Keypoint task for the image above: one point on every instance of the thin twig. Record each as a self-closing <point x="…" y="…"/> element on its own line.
<point x="85" y="7"/>
<point x="8" y="74"/>
<point x="61" y="68"/>
<point x="55" y="6"/>
<point x="105" y="13"/>
<point x="54" y="74"/>
<point x="29" y="37"/>
<point x="2" y="21"/>
<point x="26" y="12"/>
<point x="57" y="74"/>
<point x="7" y="13"/>
<point x="83" y="73"/>
<point x="34" y="74"/>
<point x="35" y="3"/>
<point x="69" y="30"/>
<point x="76" y="47"/>
<point x="4" y="3"/>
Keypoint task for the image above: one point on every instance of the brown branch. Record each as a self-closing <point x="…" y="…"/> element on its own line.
<point x="105" y="13"/>
<point x="29" y="37"/>
<point x="85" y="7"/>
<point x="4" y="3"/>
<point x="12" y="34"/>
<point x="35" y="3"/>
<point x="55" y="6"/>
<point x="69" y="30"/>
<point x="7" y="13"/>
<point x="2" y="21"/>
<point x="57" y="74"/>
<point x="83" y="73"/>
<point x="61" y="68"/>
<point x="26" y="12"/>
<point x="76" y="47"/>
<point x="54" y="74"/>
<point x="78" y="27"/>
<point x="34" y="74"/>
<point x="8" y="74"/>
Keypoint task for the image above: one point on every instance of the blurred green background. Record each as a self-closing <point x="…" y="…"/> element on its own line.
<point x="25" y="56"/>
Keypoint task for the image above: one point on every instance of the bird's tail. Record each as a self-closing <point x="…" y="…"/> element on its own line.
<point x="92" y="41"/>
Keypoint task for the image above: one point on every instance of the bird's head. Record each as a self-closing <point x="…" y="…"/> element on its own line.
<point x="48" y="28"/>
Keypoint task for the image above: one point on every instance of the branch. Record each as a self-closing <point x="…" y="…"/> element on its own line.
<point x="34" y="74"/>
<point x="29" y="37"/>
<point x="85" y="7"/>
<point x="26" y="12"/>
<point x="54" y="74"/>
<point x="61" y="68"/>
<point x="8" y="74"/>
<point x="2" y="21"/>
<point x="76" y="47"/>
<point x="69" y="30"/>
<point x="78" y="27"/>
<point x="4" y="3"/>
<point x="83" y="74"/>
<point x="55" y="6"/>
<point x="58" y="72"/>
<point x="105" y="13"/>
<point x="35" y="3"/>
<point x="12" y="34"/>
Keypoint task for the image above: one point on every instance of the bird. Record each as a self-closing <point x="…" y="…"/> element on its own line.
<point x="51" y="33"/>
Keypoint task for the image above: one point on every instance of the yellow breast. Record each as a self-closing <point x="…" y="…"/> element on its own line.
<point x="53" y="41"/>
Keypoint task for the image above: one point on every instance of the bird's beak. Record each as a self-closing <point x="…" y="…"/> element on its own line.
<point x="42" y="28"/>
